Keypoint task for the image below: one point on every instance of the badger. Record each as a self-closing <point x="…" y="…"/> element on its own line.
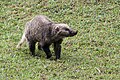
<point x="44" y="31"/>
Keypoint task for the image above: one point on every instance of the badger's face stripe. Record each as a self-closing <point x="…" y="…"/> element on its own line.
<point x="64" y="30"/>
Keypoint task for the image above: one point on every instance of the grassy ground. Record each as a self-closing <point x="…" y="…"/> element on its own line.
<point x="93" y="54"/>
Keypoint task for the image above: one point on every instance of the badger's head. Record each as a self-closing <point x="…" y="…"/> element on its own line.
<point x="63" y="30"/>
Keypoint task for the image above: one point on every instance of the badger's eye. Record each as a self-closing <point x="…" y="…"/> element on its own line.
<point x="66" y="29"/>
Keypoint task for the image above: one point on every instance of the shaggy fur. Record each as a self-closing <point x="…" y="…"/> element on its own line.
<point x="44" y="31"/>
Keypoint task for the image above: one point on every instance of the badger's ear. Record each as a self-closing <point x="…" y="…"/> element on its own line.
<point x="57" y="28"/>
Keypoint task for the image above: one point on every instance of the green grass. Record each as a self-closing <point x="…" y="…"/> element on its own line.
<point x="93" y="54"/>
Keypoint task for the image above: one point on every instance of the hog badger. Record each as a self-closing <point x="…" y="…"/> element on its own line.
<point x="44" y="31"/>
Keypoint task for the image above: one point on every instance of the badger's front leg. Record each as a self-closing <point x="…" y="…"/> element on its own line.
<point x="57" y="48"/>
<point x="47" y="51"/>
<point x="32" y="47"/>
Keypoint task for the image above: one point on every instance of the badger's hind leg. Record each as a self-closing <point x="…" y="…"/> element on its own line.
<point x="32" y="47"/>
<point x="23" y="39"/>
<point x="47" y="51"/>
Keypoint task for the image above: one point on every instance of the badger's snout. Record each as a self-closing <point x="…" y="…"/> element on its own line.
<point x="73" y="33"/>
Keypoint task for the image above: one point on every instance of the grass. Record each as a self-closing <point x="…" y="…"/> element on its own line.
<point x="94" y="54"/>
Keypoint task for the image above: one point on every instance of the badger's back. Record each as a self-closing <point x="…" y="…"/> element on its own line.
<point x="36" y="27"/>
<point x="40" y="20"/>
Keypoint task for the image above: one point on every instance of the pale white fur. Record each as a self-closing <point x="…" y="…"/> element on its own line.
<point x="23" y="39"/>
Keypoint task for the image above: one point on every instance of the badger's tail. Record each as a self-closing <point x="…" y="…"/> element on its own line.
<point x="23" y="39"/>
